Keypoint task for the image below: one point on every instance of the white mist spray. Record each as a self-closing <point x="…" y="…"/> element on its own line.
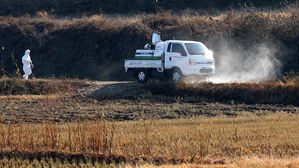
<point x="255" y="64"/>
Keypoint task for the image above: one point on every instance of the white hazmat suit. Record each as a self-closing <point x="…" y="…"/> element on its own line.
<point x="26" y="60"/>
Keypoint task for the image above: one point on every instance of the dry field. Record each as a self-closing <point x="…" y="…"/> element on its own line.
<point x="95" y="124"/>
<point x="241" y="163"/>
<point x="182" y="141"/>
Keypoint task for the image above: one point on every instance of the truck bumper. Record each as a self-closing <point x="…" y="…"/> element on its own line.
<point x="201" y="70"/>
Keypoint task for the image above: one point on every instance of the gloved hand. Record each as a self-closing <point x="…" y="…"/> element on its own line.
<point x="31" y="65"/>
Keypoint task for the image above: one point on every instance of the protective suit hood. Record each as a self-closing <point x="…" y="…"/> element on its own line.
<point x="27" y="52"/>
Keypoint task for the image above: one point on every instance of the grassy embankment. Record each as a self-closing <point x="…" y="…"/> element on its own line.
<point x="87" y="7"/>
<point x="95" y="47"/>
<point x="210" y="140"/>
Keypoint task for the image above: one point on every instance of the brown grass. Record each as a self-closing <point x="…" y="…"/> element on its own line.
<point x="56" y="162"/>
<point x="215" y="140"/>
<point x="17" y="86"/>
<point x="242" y="163"/>
<point x="252" y="93"/>
<point x="80" y="7"/>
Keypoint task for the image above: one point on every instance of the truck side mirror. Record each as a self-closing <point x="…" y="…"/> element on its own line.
<point x="183" y="54"/>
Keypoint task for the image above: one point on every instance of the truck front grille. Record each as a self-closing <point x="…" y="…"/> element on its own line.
<point x="207" y="63"/>
<point x="206" y="70"/>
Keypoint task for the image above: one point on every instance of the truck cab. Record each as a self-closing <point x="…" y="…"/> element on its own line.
<point x="173" y="59"/>
<point x="191" y="58"/>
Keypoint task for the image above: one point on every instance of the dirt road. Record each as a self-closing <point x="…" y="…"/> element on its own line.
<point x="119" y="101"/>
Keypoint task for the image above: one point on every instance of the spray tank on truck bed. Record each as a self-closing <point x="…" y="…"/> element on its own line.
<point x="148" y="53"/>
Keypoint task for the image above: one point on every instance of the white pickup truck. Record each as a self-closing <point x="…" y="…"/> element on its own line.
<point x="172" y="59"/>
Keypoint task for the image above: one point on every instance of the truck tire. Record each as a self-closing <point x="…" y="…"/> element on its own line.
<point x="142" y="76"/>
<point x="175" y="75"/>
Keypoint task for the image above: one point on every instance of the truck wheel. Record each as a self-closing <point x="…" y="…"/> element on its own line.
<point x="176" y="75"/>
<point x="142" y="76"/>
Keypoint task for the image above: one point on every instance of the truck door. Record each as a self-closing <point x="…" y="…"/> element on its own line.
<point x="176" y="56"/>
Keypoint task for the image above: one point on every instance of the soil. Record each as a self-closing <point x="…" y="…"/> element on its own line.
<point x="119" y="101"/>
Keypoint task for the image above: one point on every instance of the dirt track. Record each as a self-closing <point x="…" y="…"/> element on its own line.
<point x="118" y="101"/>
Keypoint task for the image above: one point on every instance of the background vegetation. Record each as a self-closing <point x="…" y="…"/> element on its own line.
<point x="95" y="47"/>
<point x="87" y="7"/>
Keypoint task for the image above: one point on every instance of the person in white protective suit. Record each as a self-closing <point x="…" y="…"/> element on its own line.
<point x="27" y="64"/>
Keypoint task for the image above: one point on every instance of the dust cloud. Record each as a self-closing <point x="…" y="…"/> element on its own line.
<point x="235" y="63"/>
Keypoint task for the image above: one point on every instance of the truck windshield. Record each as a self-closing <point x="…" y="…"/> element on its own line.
<point x="196" y="48"/>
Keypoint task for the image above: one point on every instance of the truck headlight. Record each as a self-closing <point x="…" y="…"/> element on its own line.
<point x="192" y="62"/>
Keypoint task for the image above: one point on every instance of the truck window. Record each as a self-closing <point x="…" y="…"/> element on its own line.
<point x="169" y="46"/>
<point x="196" y="48"/>
<point x="178" y="48"/>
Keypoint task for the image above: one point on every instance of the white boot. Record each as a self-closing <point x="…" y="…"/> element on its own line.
<point x="25" y="77"/>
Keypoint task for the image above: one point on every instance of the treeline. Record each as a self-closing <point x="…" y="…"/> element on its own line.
<point x="88" y="7"/>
